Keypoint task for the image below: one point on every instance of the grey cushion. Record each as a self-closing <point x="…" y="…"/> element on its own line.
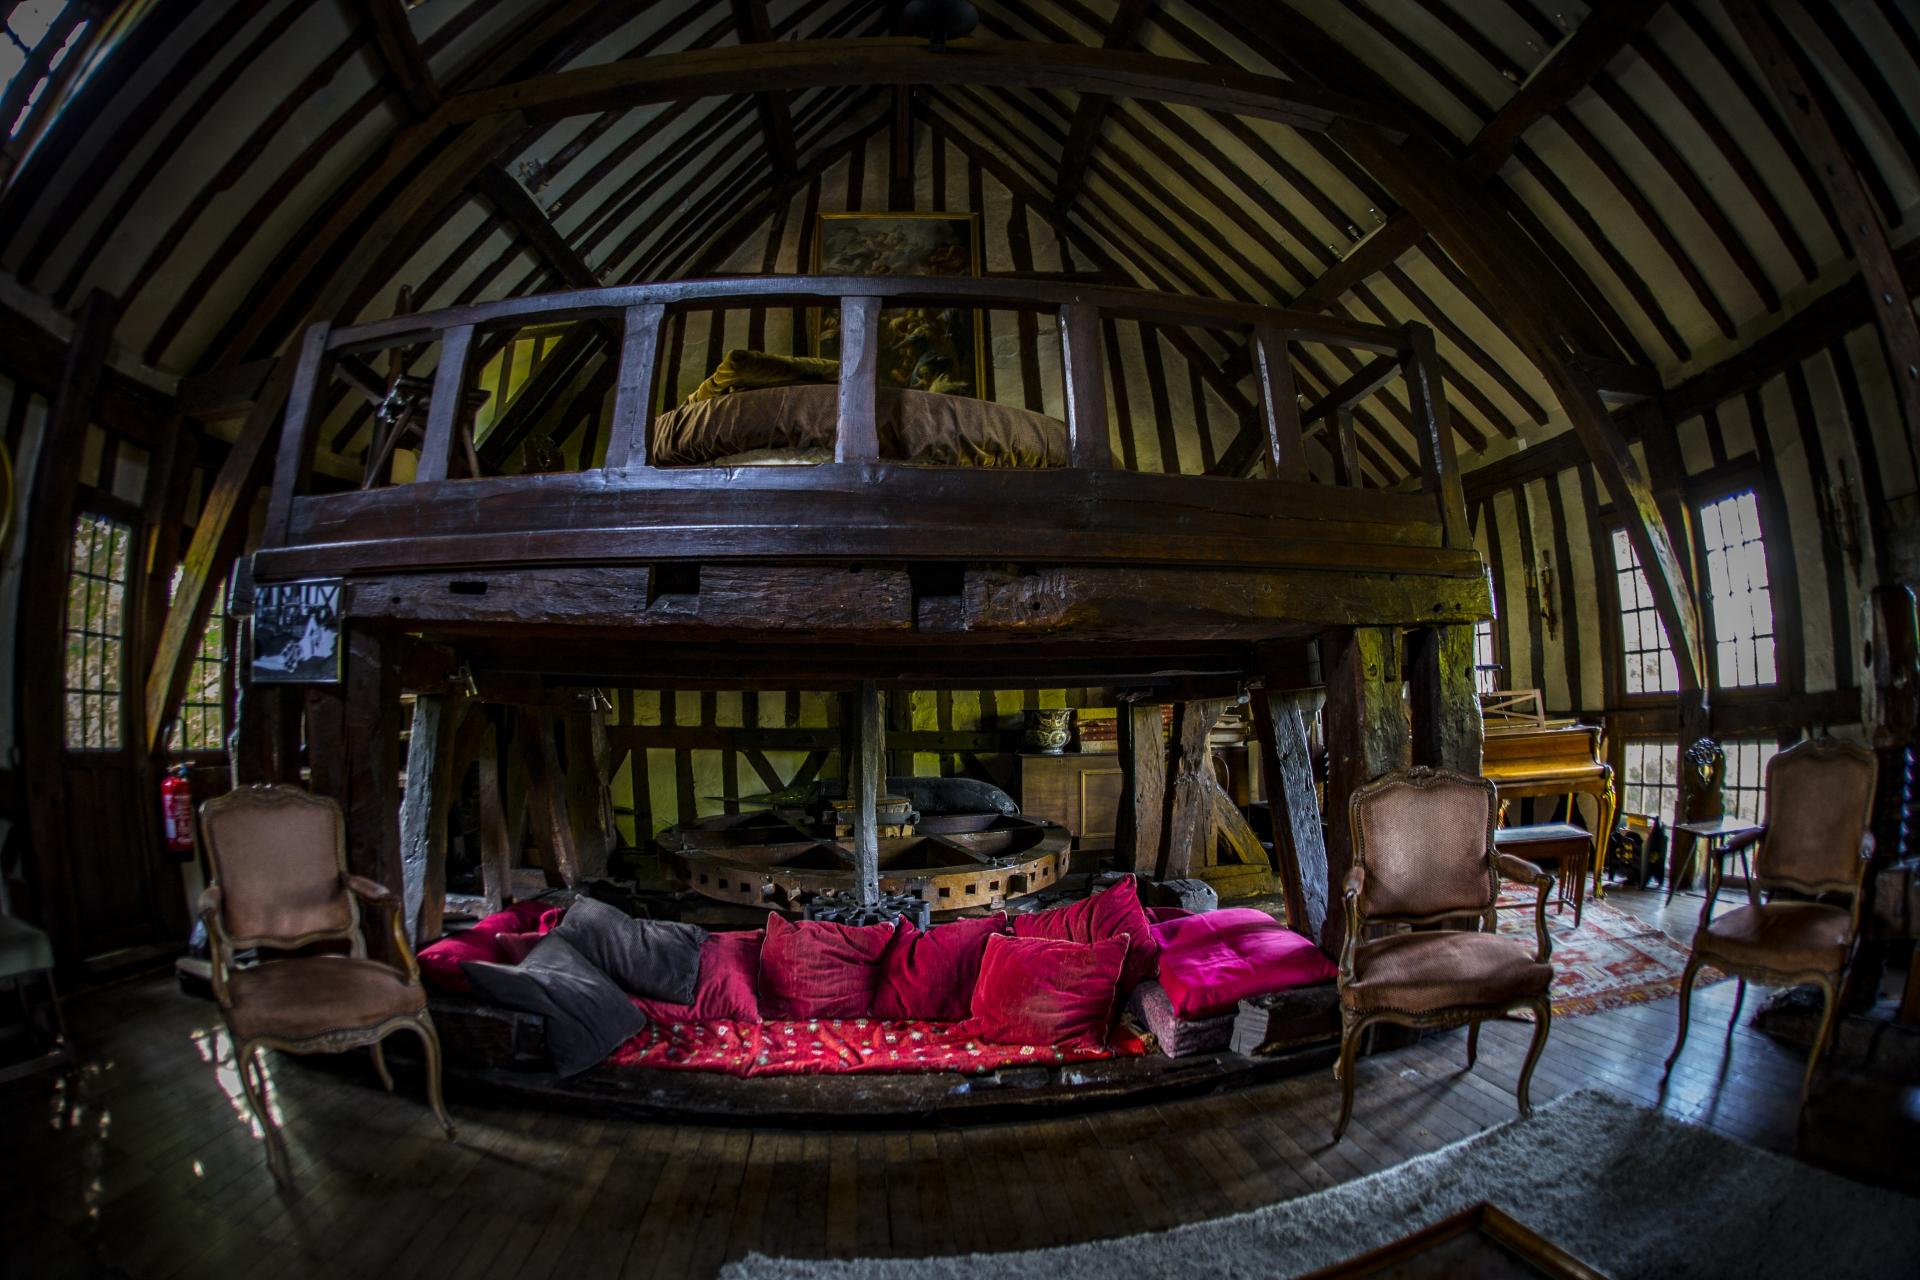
<point x="659" y="959"/>
<point x="588" y="1016"/>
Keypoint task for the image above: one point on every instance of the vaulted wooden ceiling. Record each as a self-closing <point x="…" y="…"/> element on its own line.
<point x="214" y="164"/>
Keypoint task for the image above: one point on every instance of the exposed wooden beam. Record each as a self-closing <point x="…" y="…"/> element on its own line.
<point x="806" y="64"/>
<point x="521" y="211"/>
<point x="776" y="115"/>
<point x="400" y="51"/>
<point x="1890" y="299"/>
<point x="1092" y="110"/>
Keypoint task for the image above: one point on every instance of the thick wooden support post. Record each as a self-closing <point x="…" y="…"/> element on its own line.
<point x="589" y="791"/>
<point x="1366" y="737"/>
<point x="300" y="388"/>
<point x="1279" y="405"/>
<point x="265" y="744"/>
<point x="423" y="812"/>
<point x="1439" y="462"/>
<point x="1447" y="729"/>
<point x="1188" y="823"/>
<point x="547" y="798"/>
<point x="869" y="778"/>
<point x="1143" y="786"/>
<point x="41" y="672"/>
<point x="1299" y="843"/>
<point x="858" y="439"/>
<point x="1853" y="208"/>
<point x="1086" y="384"/>
<point x="353" y="740"/>
<point x="447" y="404"/>
<point x="627" y="443"/>
<point x="499" y="840"/>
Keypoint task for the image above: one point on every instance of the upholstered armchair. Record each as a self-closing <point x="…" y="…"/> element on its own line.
<point x="280" y="882"/>
<point x="1815" y="843"/>
<point x="1423" y="857"/>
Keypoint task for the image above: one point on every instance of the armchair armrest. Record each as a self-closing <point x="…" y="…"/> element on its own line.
<point x="211" y="901"/>
<point x="1356" y="889"/>
<point x="1519" y="869"/>
<point x="375" y="894"/>
<point x="1745" y="840"/>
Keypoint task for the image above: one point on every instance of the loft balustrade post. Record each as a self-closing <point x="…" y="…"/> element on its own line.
<point x="1279" y="405"/>
<point x="1086" y="385"/>
<point x="858" y="438"/>
<point x="447" y="404"/>
<point x="628" y="444"/>
<point x="1439" y="464"/>
<point x="297" y="434"/>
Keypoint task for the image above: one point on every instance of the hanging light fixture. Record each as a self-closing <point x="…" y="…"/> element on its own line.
<point x="939" y="20"/>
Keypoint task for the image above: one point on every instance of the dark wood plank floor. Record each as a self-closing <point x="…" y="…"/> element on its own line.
<point x="149" y="1166"/>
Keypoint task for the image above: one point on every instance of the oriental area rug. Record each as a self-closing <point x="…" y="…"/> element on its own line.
<point x="1613" y="958"/>
<point x="1577" y="1172"/>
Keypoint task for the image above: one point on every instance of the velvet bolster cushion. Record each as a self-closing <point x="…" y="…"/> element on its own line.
<point x="814" y="969"/>
<point x="440" y="961"/>
<point x="587" y="1015"/>
<point x="1211" y="962"/>
<point x="1047" y="991"/>
<point x="659" y="959"/>
<point x="929" y="974"/>
<point x="1105" y="915"/>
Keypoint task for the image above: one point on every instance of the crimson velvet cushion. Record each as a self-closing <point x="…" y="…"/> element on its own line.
<point x="440" y="961"/>
<point x="1211" y="961"/>
<point x="928" y="974"/>
<point x="814" y="969"/>
<point x="1104" y="915"/>
<point x="728" y="987"/>
<point x="1045" y="991"/>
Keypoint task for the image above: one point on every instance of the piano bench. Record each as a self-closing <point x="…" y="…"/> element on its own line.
<point x="1567" y="847"/>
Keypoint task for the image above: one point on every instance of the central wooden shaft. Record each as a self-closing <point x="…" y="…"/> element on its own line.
<point x="871" y="779"/>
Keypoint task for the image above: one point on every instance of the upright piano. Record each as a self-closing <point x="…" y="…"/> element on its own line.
<point x="1527" y="754"/>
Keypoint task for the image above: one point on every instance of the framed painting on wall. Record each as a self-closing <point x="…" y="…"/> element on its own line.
<point x="925" y="348"/>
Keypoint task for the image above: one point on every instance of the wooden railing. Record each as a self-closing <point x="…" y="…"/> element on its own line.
<point x="641" y="311"/>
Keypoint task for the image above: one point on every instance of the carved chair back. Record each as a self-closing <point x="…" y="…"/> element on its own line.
<point x="1424" y="839"/>
<point x="279" y="858"/>
<point x="1819" y="810"/>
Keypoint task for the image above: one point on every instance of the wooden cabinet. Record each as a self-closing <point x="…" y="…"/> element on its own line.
<point x="1080" y="792"/>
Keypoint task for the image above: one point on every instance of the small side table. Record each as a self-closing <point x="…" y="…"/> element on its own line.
<point x="1715" y="832"/>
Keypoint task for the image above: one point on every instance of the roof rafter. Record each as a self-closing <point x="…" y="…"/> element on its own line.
<point x="776" y="116"/>
<point x="1092" y="110"/>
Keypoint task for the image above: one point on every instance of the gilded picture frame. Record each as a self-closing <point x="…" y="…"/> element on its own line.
<point x="925" y="348"/>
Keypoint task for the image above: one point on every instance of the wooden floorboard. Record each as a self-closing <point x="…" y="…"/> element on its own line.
<point x="150" y="1167"/>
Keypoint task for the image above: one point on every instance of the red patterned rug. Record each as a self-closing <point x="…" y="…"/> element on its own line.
<point x="1613" y="958"/>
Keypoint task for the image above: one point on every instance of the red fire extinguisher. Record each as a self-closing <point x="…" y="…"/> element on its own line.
<point x="176" y="809"/>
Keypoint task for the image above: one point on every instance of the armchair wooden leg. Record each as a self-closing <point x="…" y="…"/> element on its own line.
<point x="380" y="1065"/>
<point x="1686" y="1009"/>
<point x="430" y="1041"/>
<point x="253" y="1083"/>
<point x="1828" y="1017"/>
<point x="1473" y="1044"/>
<point x="1542" y="1024"/>
<point x="1343" y="1069"/>
<point x="1739" y="999"/>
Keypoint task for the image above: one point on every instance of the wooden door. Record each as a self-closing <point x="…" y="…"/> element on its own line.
<point x="124" y="894"/>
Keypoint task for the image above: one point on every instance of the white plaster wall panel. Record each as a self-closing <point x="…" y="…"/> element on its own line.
<point x="1737" y="427"/>
<point x="1581" y="570"/>
<point x="1783" y="441"/>
<point x="1892" y="443"/>
<point x="1552" y="661"/>
<point x="1517" y="641"/>
<point x="1695" y="454"/>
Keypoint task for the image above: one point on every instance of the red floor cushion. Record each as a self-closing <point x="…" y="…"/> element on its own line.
<point x="440" y="961"/>
<point x="728" y="987"/>
<point x="1211" y="961"/>
<point x="1102" y="916"/>
<point x="929" y="973"/>
<point x="814" y="969"/>
<point x="1047" y="991"/>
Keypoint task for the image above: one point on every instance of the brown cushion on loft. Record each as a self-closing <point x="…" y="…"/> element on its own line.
<point x="915" y="426"/>
<point x="745" y="370"/>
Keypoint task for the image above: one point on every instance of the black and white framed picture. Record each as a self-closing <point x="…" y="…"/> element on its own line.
<point x="296" y="632"/>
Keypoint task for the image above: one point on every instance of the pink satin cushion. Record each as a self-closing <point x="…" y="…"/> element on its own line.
<point x="1211" y="961"/>
<point x="728" y="986"/>
<point x="440" y="961"/>
<point x="928" y="975"/>
<point x="813" y="969"/>
<point x="1043" y="991"/>
<point x="1104" y="915"/>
